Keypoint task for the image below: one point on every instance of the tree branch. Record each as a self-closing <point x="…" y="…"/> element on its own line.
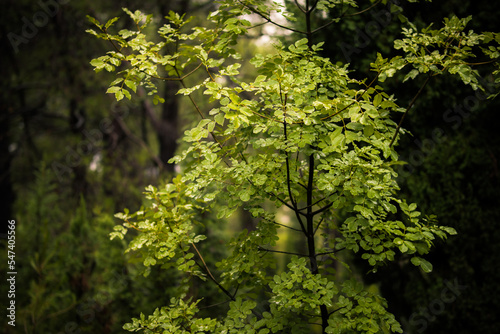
<point x="408" y="108"/>
<point x="281" y="252"/>
<point x="313" y="204"/>
<point x="286" y="226"/>
<point x="344" y="15"/>
<point x="326" y="207"/>
<point x="299" y="6"/>
<point x="268" y="19"/>
<point x="288" y="181"/>
<point x="332" y="252"/>
<point x="362" y="11"/>
<point x="319" y="224"/>
<point x="207" y="270"/>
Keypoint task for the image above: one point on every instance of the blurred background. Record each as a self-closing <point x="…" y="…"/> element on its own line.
<point x="71" y="157"/>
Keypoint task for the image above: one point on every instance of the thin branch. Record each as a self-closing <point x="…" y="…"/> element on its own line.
<point x="319" y="224"/>
<point x="344" y="15"/>
<point x="282" y="201"/>
<point x="313" y="7"/>
<point x="180" y="78"/>
<point x="408" y="108"/>
<point x="313" y="204"/>
<point x="310" y="188"/>
<point x="332" y="312"/>
<point x="193" y="102"/>
<point x="255" y="26"/>
<point x="200" y="113"/>
<point x="288" y="180"/>
<point x="364" y="10"/>
<point x="281" y="252"/>
<point x="326" y="207"/>
<point x="211" y="276"/>
<point x="482" y="63"/>
<point x="289" y="227"/>
<point x="300" y="7"/>
<point x="268" y="19"/>
<point x="297" y="214"/>
<point x="213" y="305"/>
<point x="332" y="252"/>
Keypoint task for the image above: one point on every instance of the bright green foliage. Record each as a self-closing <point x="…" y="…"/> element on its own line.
<point x="302" y="135"/>
<point x="435" y="52"/>
<point x="178" y="317"/>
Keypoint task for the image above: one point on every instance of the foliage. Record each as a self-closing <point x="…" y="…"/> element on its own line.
<point x="450" y="172"/>
<point x="302" y="135"/>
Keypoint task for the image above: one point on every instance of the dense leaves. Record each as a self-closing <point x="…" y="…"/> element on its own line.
<point x="302" y="135"/>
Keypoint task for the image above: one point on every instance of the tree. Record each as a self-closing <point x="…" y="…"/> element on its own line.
<point x="302" y="136"/>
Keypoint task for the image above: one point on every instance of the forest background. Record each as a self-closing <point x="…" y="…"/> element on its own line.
<point x="71" y="157"/>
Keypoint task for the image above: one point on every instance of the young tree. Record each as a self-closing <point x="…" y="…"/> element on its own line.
<point x="302" y="136"/>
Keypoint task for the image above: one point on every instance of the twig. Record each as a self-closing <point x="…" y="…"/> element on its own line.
<point x="408" y="108"/>
<point x="332" y="252"/>
<point x="210" y="274"/>
<point x="344" y="15"/>
<point x="255" y="11"/>
<point x="281" y="252"/>
<point x="286" y="226"/>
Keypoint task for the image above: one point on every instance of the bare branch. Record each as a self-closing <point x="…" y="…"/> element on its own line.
<point x="281" y="252"/>
<point x="268" y="19"/>
<point x="326" y="207"/>
<point x="332" y="252"/>
<point x="207" y="270"/>
<point x="299" y="6"/>
<point x="345" y="15"/>
<point x="289" y="227"/>
<point x="408" y="108"/>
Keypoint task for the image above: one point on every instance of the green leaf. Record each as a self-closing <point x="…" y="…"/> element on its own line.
<point x="127" y="94"/>
<point x="149" y="261"/>
<point x="245" y="195"/>
<point x="115" y="82"/>
<point x="113" y="90"/>
<point x="337" y="137"/>
<point x="449" y="230"/>
<point x="219" y="118"/>
<point x="94" y="21"/>
<point x="97" y="63"/>
<point x="110" y="22"/>
<point x="411" y="75"/>
<point x="131" y="84"/>
<point x="119" y="95"/>
<point x="424" y="264"/>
